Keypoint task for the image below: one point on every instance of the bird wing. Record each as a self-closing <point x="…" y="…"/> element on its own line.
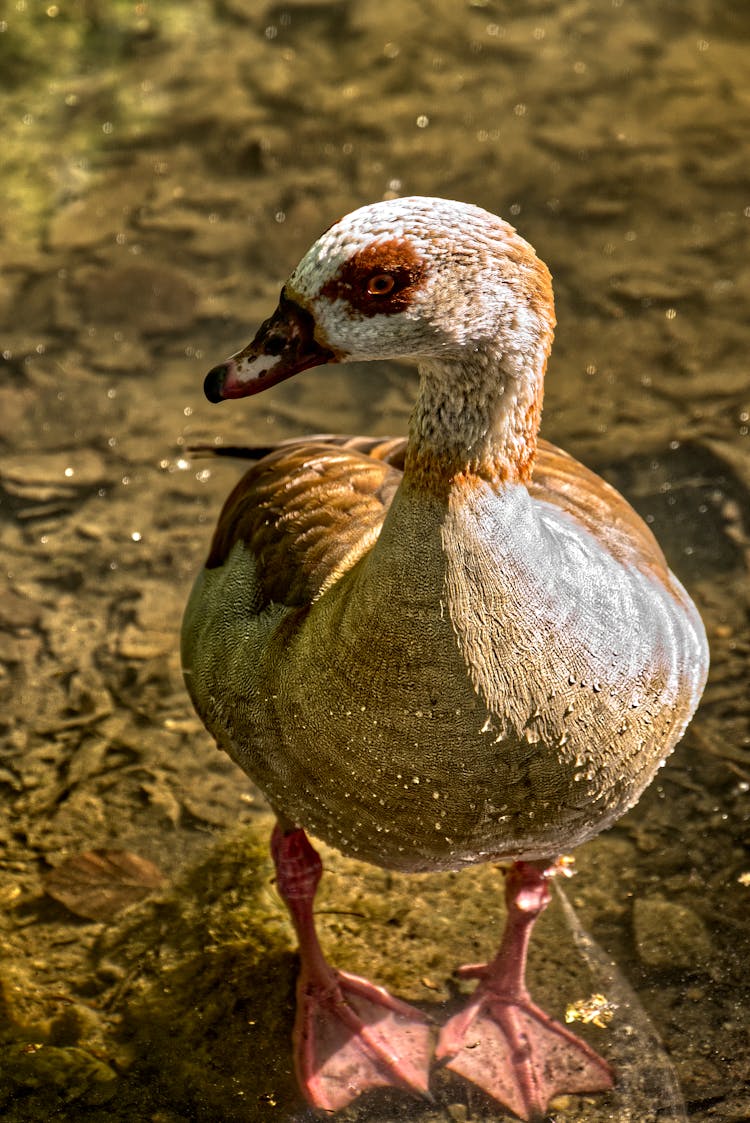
<point x="561" y="481"/>
<point x="309" y="508"/>
<point x="308" y="511"/>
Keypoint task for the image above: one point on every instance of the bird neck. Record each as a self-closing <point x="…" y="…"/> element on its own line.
<point x="478" y="416"/>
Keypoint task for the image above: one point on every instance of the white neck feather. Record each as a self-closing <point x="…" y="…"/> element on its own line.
<point x="478" y="410"/>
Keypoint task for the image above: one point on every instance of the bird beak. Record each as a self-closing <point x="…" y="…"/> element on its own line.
<point x="284" y="345"/>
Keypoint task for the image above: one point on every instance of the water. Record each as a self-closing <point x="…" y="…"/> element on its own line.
<point x="164" y="168"/>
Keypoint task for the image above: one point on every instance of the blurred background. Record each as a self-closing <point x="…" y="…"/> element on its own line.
<point x="164" y="166"/>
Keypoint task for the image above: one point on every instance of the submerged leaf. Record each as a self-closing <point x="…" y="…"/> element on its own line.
<point x="99" y="884"/>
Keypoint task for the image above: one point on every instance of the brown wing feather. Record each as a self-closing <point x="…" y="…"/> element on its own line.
<point x="311" y="507"/>
<point x="390" y="449"/>
<point x="564" y="482"/>
<point x="305" y="510"/>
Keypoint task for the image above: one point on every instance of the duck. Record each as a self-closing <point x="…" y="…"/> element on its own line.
<point x="453" y="647"/>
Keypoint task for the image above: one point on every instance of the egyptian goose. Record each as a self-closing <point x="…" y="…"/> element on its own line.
<point x="456" y="648"/>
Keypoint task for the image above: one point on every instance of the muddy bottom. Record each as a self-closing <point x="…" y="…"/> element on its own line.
<point x="165" y="167"/>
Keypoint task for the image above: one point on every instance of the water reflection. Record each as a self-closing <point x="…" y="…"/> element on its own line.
<point x="164" y="167"/>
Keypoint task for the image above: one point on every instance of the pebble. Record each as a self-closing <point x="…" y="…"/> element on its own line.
<point x="669" y="935"/>
<point x="157" y="297"/>
<point x="458" y="1113"/>
<point x="52" y="475"/>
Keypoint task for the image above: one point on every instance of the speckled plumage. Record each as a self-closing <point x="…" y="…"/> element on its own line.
<point x="412" y="714"/>
<point x="437" y="651"/>
<point x="481" y="659"/>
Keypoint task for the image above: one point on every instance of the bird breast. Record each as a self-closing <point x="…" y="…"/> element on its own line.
<point x="487" y="681"/>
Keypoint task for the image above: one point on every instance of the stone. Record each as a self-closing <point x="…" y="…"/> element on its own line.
<point x="669" y="935"/>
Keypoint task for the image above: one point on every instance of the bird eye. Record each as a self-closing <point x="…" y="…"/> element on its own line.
<point x="381" y="284"/>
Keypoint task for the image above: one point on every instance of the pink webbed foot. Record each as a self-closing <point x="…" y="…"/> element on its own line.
<point x="349" y="1036"/>
<point x="502" y="1041"/>
<point x="518" y="1054"/>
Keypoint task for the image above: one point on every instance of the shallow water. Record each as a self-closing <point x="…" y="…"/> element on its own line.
<point x="165" y="165"/>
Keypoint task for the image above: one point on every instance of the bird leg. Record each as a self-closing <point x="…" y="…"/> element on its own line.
<point x="349" y="1035"/>
<point x="502" y="1041"/>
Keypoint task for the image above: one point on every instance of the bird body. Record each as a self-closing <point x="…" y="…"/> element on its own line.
<point x="459" y="647"/>
<point x="456" y="692"/>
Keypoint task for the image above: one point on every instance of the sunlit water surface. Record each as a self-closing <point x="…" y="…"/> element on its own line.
<point x="164" y="166"/>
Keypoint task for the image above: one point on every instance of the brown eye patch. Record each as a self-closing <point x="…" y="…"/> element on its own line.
<point x="380" y="278"/>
